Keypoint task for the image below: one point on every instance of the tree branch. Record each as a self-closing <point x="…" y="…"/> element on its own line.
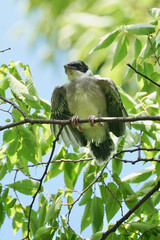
<point x="127" y="215"/>
<point x="141" y="74"/>
<point x="82" y="120"/>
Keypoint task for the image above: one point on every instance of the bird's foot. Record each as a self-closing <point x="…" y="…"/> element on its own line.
<point x="100" y="124"/>
<point x="75" y="124"/>
<point x="91" y="119"/>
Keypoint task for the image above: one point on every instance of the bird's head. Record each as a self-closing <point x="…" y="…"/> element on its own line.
<point x="77" y="70"/>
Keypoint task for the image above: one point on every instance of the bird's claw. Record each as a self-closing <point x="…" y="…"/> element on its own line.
<point x="75" y="124"/>
<point x="100" y="124"/>
<point x="91" y="119"/>
<point x="74" y="120"/>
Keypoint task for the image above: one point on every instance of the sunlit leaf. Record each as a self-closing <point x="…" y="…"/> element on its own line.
<point x="96" y="236"/>
<point x="140" y="28"/>
<point x="2" y="214"/>
<point x="44" y="233"/>
<point x="26" y="186"/>
<point x="143" y="227"/>
<point x="111" y="197"/>
<point x="139" y="176"/>
<point x="17" y="87"/>
<point x="121" y="50"/>
<point x="106" y="40"/>
<point x="97" y="214"/>
<point x="86" y="197"/>
<point x="154" y="12"/>
<point x="86" y="218"/>
<point x="137" y="47"/>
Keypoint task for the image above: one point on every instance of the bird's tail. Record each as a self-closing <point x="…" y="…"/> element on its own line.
<point x="103" y="151"/>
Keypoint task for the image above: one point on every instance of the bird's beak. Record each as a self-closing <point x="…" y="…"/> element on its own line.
<point x="69" y="68"/>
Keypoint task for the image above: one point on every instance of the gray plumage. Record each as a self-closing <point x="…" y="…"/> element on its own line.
<point x="85" y="95"/>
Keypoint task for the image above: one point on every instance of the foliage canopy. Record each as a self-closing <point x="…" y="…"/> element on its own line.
<point x="104" y="194"/>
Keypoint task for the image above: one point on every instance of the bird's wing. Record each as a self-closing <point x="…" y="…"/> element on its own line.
<point x="60" y="110"/>
<point x="115" y="106"/>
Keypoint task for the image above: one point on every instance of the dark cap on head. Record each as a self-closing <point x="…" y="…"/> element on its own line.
<point x="77" y="65"/>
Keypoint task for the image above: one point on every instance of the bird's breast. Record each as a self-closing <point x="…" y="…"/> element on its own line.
<point x="86" y="98"/>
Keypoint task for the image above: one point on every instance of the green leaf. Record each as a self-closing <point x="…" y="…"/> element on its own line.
<point x="13" y="146"/>
<point x="3" y="71"/>
<point x="116" y="166"/>
<point x="3" y="170"/>
<point x="9" y="135"/>
<point x="140" y="176"/>
<point x="129" y="73"/>
<point x="106" y="40"/>
<point x="147" y="207"/>
<point x="86" y="197"/>
<point x="86" y="218"/>
<point x="32" y="101"/>
<point x="29" y="82"/>
<point x="131" y="139"/>
<point x="154" y="12"/>
<point x="148" y="50"/>
<point x="140" y="28"/>
<point x="137" y="47"/>
<point x="96" y="236"/>
<point x="55" y="169"/>
<point x="54" y="210"/>
<point x="121" y="50"/>
<point x="45" y="104"/>
<point x="111" y="200"/>
<point x="42" y="214"/>
<point x="44" y="233"/>
<point x="143" y="226"/>
<point x="5" y="193"/>
<point x="2" y="214"/>
<point x="28" y="187"/>
<point x="129" y="102"/>
<point x="97" y="214"/>
<point x="17" y="87"/>
<point x="89" y="174"/>
<point x="11" y="203"/>
<point x="18" y="221"/>
<point x="113" y="236"/>
<point x="69" y="175"/>
<point x="157" y="39"/>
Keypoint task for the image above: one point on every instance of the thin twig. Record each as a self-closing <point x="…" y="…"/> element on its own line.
<point x="132" y="210"/>
<point x="138" y="160"/>
<point x="54" y="161"/>
<point x="14" y="105"/>
<point x="157" y="58"/>
<point x="7" y="49"/>
<point x="143" y="75"/>
<point x="136" y="149"/>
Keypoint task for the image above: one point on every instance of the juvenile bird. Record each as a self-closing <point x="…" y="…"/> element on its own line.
<point x="88" y="96"/>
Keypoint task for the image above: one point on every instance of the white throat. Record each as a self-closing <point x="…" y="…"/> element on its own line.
<point x="77" y="75"/>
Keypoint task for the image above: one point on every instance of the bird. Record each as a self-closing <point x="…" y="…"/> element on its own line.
<point x="90" y="96"/>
